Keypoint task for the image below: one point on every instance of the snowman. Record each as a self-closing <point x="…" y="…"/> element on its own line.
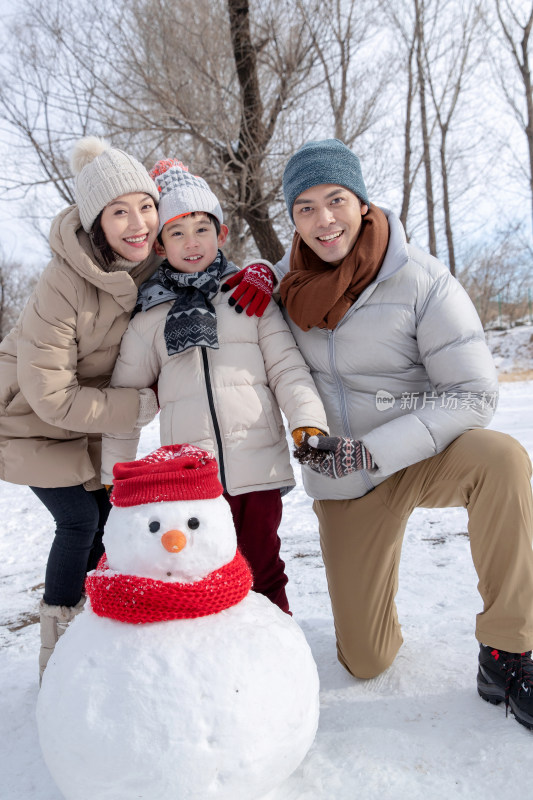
<point x="176" y="682"/>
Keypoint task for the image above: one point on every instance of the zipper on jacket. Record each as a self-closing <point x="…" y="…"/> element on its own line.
<point x="339" y="384"/>
<point x="216" y="426"/>
<point x="342" y="398"/>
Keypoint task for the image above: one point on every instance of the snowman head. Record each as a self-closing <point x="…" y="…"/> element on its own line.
<point x="169" y="520"/>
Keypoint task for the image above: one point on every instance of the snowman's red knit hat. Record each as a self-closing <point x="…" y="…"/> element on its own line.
<point x="173" y="472"/>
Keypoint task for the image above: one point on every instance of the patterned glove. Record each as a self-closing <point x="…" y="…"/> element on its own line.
<point x="254" y="286"/>
<point x="336" y="456"/>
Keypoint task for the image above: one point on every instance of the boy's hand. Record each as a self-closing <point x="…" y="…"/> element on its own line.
<point x="336" y="456"/>
<point x="254" y="288"/>
<point x="301" y="435"/>
<point x="302" y="452"/>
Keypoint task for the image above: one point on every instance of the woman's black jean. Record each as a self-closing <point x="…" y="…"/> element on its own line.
<point x="80" y="517"/>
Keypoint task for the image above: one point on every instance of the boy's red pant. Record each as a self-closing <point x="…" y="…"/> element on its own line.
<point x="257" y="516"/>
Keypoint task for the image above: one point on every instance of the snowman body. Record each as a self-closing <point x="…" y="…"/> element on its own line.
<point x="221" y="706"/>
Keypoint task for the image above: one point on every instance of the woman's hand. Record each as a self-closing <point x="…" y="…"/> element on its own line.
<point x="148" y="407"/>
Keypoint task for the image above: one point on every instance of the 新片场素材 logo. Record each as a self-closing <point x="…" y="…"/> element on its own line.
<point x="384" y="400"/>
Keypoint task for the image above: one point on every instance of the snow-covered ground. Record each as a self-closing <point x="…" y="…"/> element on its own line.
<point x="513" y="352"/>
<point x="417" y="731"/>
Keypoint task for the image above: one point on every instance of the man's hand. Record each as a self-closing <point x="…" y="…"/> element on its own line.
<point x="336" y="456"/>
<point x="254" y="289"/>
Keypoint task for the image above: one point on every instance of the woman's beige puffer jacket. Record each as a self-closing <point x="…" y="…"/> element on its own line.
<point x="224" y="400"/>
<point x="55" y="365"/>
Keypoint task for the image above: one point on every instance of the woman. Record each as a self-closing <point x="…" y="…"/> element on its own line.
<point x="56" y="363"/>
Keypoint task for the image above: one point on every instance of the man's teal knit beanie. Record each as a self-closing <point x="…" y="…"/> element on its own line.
<point x="325" y="161"/>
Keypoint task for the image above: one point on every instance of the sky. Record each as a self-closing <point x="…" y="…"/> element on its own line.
<point x="419" y="731"/>
<point x="19" y="240"/>
<point x="487" y="188"/>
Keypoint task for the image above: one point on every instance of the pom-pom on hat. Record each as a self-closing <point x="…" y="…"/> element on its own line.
<point x="323" y="161"/>
<point x="103" y="173"/>
<point x="173" y="472"/>
<point x="182" y="193"/>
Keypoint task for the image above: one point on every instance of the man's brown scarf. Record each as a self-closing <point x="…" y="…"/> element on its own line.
<point x="317" y="294"/>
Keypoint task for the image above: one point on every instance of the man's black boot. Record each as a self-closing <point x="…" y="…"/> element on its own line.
<point x="507" y="677"/>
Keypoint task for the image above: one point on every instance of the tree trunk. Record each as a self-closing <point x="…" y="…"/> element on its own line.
<point x="253" y="137"/>
<point x="446" y="203"/>
<point x="430" y="204"/>
<point x="526" y="77"/>
<point x="407" y="182"/>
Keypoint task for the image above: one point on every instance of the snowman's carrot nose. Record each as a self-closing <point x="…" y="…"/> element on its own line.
<point x="173" y="541"/>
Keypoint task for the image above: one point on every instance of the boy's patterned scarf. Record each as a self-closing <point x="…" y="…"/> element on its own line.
<point x="191" y="321"/>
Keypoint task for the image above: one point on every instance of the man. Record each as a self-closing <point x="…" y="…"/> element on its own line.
<point x="399" y="358"/>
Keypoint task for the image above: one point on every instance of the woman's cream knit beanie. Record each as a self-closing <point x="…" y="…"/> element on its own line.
<point x="104" y="173"/>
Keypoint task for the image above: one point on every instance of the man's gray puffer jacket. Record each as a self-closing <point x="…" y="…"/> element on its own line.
<point x="406" y="371"/>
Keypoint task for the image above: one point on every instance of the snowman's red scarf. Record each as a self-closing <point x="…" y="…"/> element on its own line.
<point x="129" y="598"/>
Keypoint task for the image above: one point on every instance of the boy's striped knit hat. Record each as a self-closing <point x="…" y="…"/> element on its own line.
<point x="103" y="173"/>
<point x="181" y="193"/>
<point x="173" y="472"/>
<point x="325" y="161"/>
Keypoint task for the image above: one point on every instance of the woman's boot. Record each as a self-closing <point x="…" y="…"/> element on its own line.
<point x="54" y="622"/>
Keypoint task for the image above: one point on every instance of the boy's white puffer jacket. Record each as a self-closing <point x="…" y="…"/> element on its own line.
<point x="224" y="400"/>
<point x="406" y="371"/>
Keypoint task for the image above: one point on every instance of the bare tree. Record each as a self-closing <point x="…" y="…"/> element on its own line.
<point x="342" y="49"/>
<point x="254" y="132"/>
<point x="496" y="273"/>
<point x="420" y="8"/>
<point x="448" y="67"/>
<point x="204" y="80"/>
<point x="403" y="25"/>
<point x="515" y="22"/>
<point x="434" y="61"/>
<point x="15" y="287"/>
<point x="233" y="88"/>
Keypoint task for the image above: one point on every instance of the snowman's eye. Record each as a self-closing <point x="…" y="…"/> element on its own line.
<point x="154" y="525"/>
<point x="193" y="523"/>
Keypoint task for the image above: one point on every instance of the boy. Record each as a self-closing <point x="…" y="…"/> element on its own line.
<point x="222" y="378"/>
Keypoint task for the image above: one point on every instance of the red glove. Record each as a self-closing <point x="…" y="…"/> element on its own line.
<point x="254" y="287"/>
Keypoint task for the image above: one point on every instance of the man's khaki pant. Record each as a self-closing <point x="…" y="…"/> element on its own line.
<point x="486" y="472"/>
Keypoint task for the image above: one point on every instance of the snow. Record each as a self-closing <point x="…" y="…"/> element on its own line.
<point x="419" y="730"/>
<point x="224" y="706"/>
<point x="512" y="351"/>
<point x="133" y="550"/>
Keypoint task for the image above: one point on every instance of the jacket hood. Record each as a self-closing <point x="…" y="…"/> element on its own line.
<point x="397" y="254"/>
<point x="72" y="244"/>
